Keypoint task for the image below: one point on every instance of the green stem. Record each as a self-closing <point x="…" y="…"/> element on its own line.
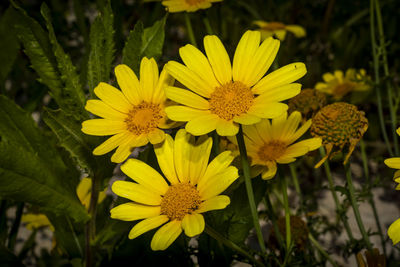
<point x="190" y="30"/>
<point x="208" y="25"/>
<point x="339" y="207"/>
<point x="91" y="225"/>
<point x="12" y="238"/>
<point x="321" y="250"/>
<point x="273" y="218"/>
<point x="249" y="188"/>
<point x="217" y="236"/>
<point x="287" y="210"/>
<point x="353" y="202"/>
<point x="295" y="180"/>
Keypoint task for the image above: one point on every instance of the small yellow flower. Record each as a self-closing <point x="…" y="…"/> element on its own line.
<point x="191" y="186"/>
<point x="339" y="85"/>
<point x="269" y="143"/>
<point x="394" y="231"/>
<point x="222" y="95"/>
<point x="187" y="5"/>
<point x="134" y="116"/>
<point x="394" y="163"/>
<point x="278" y="29"/>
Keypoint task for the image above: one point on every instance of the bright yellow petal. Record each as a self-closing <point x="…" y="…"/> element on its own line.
<point x="277" y="126"/>
<point x="182" y="149"/>
<point x="136" y="192"/>
<point x="132" y="212"/>
<point x="129" y="83"/>
<point x="256" y="133"/>
<point x="215" y="203"/>
<point x="296" y="150"/>
<point x="215" y="185"/>
<point x="279" y="93"/>
<point x="156" y="136"/>
<point x="244" y="55"/>
<point x="394" y="231"/>
<point x="126" y="146"/>
<point x="203" y="124"/>
<point x="199" y="156"/>
<point x="247" y="119"/>
<point x="195" y="60"/>
<point x="113" y="97"/>
<point x="291" y="126"/>
<point x="227" y="128"/>
<point x="111" y="143"/>
<point x="270" y="170"/>
<point x="280" y="77"/>
<point x="165" y="157"/>
<point x="267" y="109"/>
<point x="145" y="175"/>
<point x="167" y="234"/>
<point x="101" y="109"/>
<point x="327" y="77"/>
<point x="393" y="163"/>
<point x="297" y="30"/>
<point x="103" y="127"/>
<point x="193" y="224"/>
<point x="147" y="225"/>
<point x="183" y="113"/>
<point x="216" y="166"/>
<point x="164" y="81"/>
<point x="83" y="189"/>
<point x="398" y="131"/>
<point x="148" y="78"/>
<point x="218" y="58"/>
<point x="280" y="34"/>
<point x="186" y="98"/>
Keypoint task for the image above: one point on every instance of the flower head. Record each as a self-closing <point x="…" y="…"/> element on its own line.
<point x="133" y="116"/>
<point x="395" y="164"/>
<point x="278" y="29"/>
<point x="339" y="85"/>
<point x="373" y="258"/>
<point x="339" y="124"/>
<point x="187" y="5"/>
<point x="308" y="102"/>
<point x="222" y="95"/>
<point x="269" y="143"/>
<point x="191" y="186"/>
<point x="394" y="231"/>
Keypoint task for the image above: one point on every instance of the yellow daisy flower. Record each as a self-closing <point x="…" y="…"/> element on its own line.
<point x="191" y="186"/>
<point x="187" y="5"/>
<point x="269" y="143"/>
<point x="338" y="85"/>
<point x="394" y="231"/>
<point x="394" y="163"/>
<point x="278" y="29"/>
<point x="134" y="116"/>
<point x="222" y="95"/>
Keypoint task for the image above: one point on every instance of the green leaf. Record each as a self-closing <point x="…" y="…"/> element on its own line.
<point x="153" y="39"/>
<point x="31" y="167"/>
<point x="133" y="45"/>
<point x="73" y="95"/>
<point x="96" y="56"/>
<point x="109" y="43"/>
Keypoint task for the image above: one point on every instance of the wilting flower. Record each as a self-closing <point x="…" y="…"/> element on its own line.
<point x="191" y="186"/>
<point x="339" y="124"/>
<point x="373" y="258"/>
<point x="134" y="116"/>
<point x="308" y="103"/>
<point x="222" y="95"/>
<point x="187" y="5"/>
<point x="278" y="29"/>
<point x="269" y="143"/>
<point x="339" y="85"/>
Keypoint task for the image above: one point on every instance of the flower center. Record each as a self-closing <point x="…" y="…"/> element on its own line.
<point x="343" y="89"/>
<point x="230" y="100"/>
<point x="194" y="2"/>
<point x="272" y="150"/>
<point x="272" y="26"/>
<point x="180" y="199"/>
<point x="143" y="118"/>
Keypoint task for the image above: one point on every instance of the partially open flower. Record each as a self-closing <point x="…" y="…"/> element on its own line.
<point x="339" y="125"/>
<point x="308" y="103"/>
<point x="278" y="29"/>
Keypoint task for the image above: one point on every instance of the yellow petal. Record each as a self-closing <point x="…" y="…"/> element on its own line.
<point x="227" y="128"/>
<point x="83" y="189"/>
<point x="394" y="231"/>
<point x="280" y="34"/>
<point x="215" y="203"/>
<point x="199" y="156"/>
<point x="295" y="150"/>
<point x="279" y="93"/>
<point x="148" y="78"/>
<point x="291" y="126"/>
<point x="193" y="224"/>
<point x="182" y="150"/>
<point x="280" y="77"/>
<point x="165" y="157"/>
<point x="299" y="132"/>
<point x="215" y="185"/>
<point x="203" y="124"/>
<point x="129" y="83"/>
<point x="270" y="170"/>
<point x="164" y="81"/>
<point x="126" y="146"/>
<point x="267" y="110"/>
<point x="103" y="127"/>
<point x="297" y="30"/>
<point x="183" y="113"/>
<point x="167" y="234"/>
<point x="256" y="133"/>
<point x="136" y="192"/>
<point x="111" y="143"/>
<point x="218" y="58"/>
<point x="327" y="77"/>
<point x="156" y="136"/>
<point x="131" y="211"/>
<point x="113" y="97"/>
<point x="393" y="163"/>
<point x="277" y="126"/>
<point x="147" y="225"/>
<point x="216" y="166"/>
<point x="247" y="119"/>
<point x="101" y="109"/>
<point x="186" y="98"/>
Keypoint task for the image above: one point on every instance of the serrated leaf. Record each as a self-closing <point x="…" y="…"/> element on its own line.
<point x="153" y="39"/>
<point x="31" y="168"/>
<point x="131" y="53"/>
<point x="96" y="56"/>
<point x="109" y="43"/>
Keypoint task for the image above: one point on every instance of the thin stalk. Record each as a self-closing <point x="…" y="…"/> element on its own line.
<point x="273" y="218"/>
<point x="353" y="202"/>
<point x="377" y="79"/>
<point x="90" y="232"/>
<point x="287" y="210"/>
<point x="12" y="237"/>
<point x="339" y="207"/>
<point x="76" y="240"/>
<point x="249" y="188"/>
<point x="190" y="30"/>
<point x="386" y="73"/>
<point x="321" y="250"/>
<point x="220" y="238"/>
<point x="207" y="24"/>
<point x="295" y="180"/>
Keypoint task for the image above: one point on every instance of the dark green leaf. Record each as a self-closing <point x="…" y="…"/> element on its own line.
<point x="96" y="57"/>
<point x="31" y="168"/>
<point x="153" y="39"/>
<point x="131" y="52"/>
<point x="109" y="43"/>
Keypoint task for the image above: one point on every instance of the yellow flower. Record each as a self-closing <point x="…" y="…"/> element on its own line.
<point x="36" y="221"/>
<point x="192" y="186"/>
<point x="339" y="85"/>
<point x="134" y="116"/>
<point x="222" y="95"/>
<point x="187" y="5"/>
<point x="395" y="164"/>
<point x="278" y="29"/>
<point x="394" y="231"/>
<point x="269" y="143"/>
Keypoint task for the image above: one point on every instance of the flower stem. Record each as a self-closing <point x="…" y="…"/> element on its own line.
<point x="249" y="188"/>
<point x="190" y="30"/>
<point x="295" y="180"/>
<point x="207" y="24"/>
<point x="353" y="202"/>
<point x="273" y="218"/>
<point x="287" y="210"/>
<point x="90" y="231"/>
<point x="217" y="236"/>
<point x="321" y="250"/>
